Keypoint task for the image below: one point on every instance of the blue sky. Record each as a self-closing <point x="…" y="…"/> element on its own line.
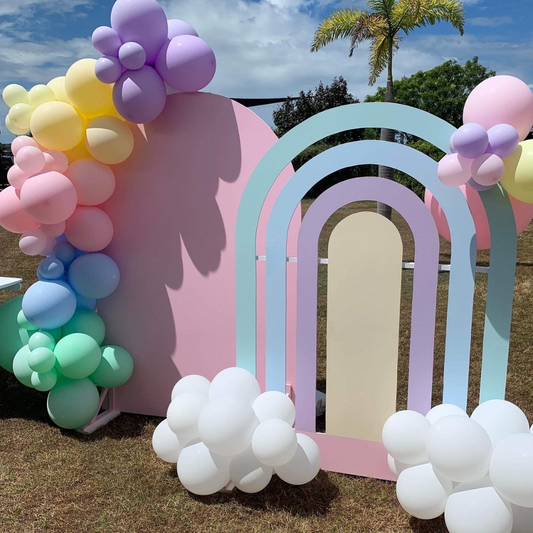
<point x="262" y="46"/>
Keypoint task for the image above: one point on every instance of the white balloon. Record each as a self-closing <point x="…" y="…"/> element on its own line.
<point x="226" y="425"/>
<point x="459" y="448"/>
<point x="183" y="413"/>
<point x="165" y="443"/>
<point x="396" y="467"/>
<point x="201" y="471"/>
<point x="477" y="510"/>
<point x="404" y="437"/>
<point x="274" y="442"/>
<point x="235" y="382"/>
<point x="445" y="409"/>
<point x="522" y="519"/>
<point x="511" y="469"/>
<point x="192" y="383"/>
<point x="305" y="464"/>
<point x="274" y="404"/>
<point x="422" y="492"/>
<point x="500" y="419"/>
<point x="248" y="474"/>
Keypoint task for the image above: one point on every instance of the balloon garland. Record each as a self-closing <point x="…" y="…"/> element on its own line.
<point x="62" y="175"/>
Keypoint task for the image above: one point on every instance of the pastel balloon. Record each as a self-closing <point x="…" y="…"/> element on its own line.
<point x="49" y="247"/>
<point x="30" y="160"/>
<point x="15" y="94"/>
<point x="89" y="229"/>
<point x="55" y="161"/>
<point x="488" y="169"/>
<point x="33" y="242"/>
<point x="20" y="115"/>
<point x="84" y="303"/>
<point x="44" y="381"/>
<point x="77" y="356"/>
<point x="501" y="100"/>
<point x="53" y="230"/>
<point x="22" y="321"/>
<point x="165" y="443"/>
<point x="235" y="381"/>
<point x="21" y="142"/>
<point x="41" y="339"/>
<point x="65" y="252"/>
<point x="21" y="368"/>
<point x="40" y="94"/>
<point x="192" y="383"/>
<point x="49" y="304"/>
<point x="305" y="464"/>
<point x="518" y="176"/>
<point x="57" y="126"/>
<point x="274" y="404"/>
<point x="132" y="55"/>
<point x="183" y="413"/>
<point x="179" y="27"/>
<point x="88" y="323"/>
<point x="274" y="442"/>
<point x="108" y="69"/>
<point x="10" y="332"/>
<point x="94" y="181"/>
<point x="94" y="276"/>
<point x="16" y="176"/>
<point x="41" y="359"/>
<point x="13" y="129"/>
<point x="140" y="95"/>
<point x="58" y="87"/>
<point x="440" y="411"/>
<point x="186" y="63"/>
<point x="470" y="140"/>
<point x="141" y="21"/>
<point x="78" y="152"/>
<point x="503" y="140"/>
<point x="106" y="41"/>
<point x="49" y="198"/>
<point x="115" y="368"/>
<point x="73" y="404"/>
<point x="248" y="474"/>
<point x="13" y="216"/>
<point x="454" y="170"/>
<point x="477" y="187"/>
<point x="109" y="140"/>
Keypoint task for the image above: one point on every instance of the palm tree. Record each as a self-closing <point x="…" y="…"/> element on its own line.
<point x="383" y="25"/>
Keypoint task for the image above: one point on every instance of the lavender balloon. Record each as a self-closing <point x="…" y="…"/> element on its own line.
<point x="180" y="27"/>
<point x="471" y="140"/>
<point x="132" y="56"/>
<point x="140" y="95"/>
<point x="108" y="69"/>
<point x="503" y="140"/>
<point x="106" y="41"/>
<point x="477" y="187"/>
<point x="452" y="145"/>
<point x="186" y="63"/>
<point x="141" y="21"/>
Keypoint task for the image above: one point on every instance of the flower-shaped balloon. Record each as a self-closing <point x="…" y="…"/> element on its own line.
<point x="143" y="51"/>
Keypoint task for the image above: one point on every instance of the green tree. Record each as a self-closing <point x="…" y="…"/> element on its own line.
<point x="384" y="25"/>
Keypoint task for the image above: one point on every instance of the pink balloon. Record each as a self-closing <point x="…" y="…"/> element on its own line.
<point x="523" y="214"/>
<point x="454" y="170"/>
<point x="488" y="169"/>
<point x="501" y="100"/>
<point x="30" y="160"/>
<point x="33" y="242"/>
<point x="53" y="230"/>
<point x="50" y="198"/>
<point x="21" y="142"/>
<point x="51" y="244"/>
<point x="89" y="229"/>
<point x="13" y="216"/>
<point x="94" y="181"/>
<point x="55" y="161"/>
<point x="16" y="176"/>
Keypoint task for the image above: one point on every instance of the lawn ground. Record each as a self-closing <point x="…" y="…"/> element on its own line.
<point x="111" y="481"/>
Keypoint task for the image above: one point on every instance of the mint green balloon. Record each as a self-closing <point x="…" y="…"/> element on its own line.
<point x="77" y="356"/>
<point x="23" y="321"/>
<point x="21" y="368"/>
<point x="56" y="333"/>
<point x="73" y="403"/>
<point x="41" y="339"/>
<point x="87" y="322"/>
<point x="12" y="339"/>
<point x="115" y="368"/>
<point x="44" y="381"/>
<point x="41" y="360"/>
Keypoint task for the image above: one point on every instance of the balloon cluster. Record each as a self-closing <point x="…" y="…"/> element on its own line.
<point x="226" y="432"/>
<point x="476" y="470"/>
<point x="143" y="51"/>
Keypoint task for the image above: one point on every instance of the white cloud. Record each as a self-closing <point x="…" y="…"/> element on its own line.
<point x="490" y="22"/>
<point x="25" y="7"/>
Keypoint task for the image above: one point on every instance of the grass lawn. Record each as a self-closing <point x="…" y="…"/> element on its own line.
<point x="55" y="480"/>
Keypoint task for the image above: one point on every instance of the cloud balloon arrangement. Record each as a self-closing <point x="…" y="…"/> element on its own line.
<point x="227" y="433"/>
<point x="476" y="470"/>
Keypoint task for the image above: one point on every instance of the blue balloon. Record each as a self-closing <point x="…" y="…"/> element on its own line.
<point x="87" y="304"/>
<point x="65" y="252"/>
<point x="94" y="276"/>
<point x="49" y="304"/>
<point x="50" y="268"/>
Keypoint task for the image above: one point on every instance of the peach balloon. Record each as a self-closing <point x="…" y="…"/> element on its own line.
<point x="13" y="216"/>
<point x="89" y="229"/>
<point x="56" y="161"/>
<point x="53" y="230"/>
<point x="21" y="142"/>
<point x="33" y="242"/>
<point x="94" y="181"/>
<point x="30" y="160"/>
<point x="50" y="198"/>
<point x="16" y="176"/>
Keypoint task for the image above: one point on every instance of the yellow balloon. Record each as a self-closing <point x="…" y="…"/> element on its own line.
<point x="40" y="94"/>
<point x="57" y="126"/>
<point x="109" y="140"/>
<point x="86" y="92"/>
<point x="13" y="129"/>
<point x="58" y="86"/>
<point x="20" y="115"/>
<point x="15" y="94"/>
<point x="518" y="177"/>
<point x="78" y="152"/>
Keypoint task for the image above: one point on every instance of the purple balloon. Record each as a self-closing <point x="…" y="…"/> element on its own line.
<point x="140" y="95"/>
<point x="186" y="63"/>
<point x="471" y="140"/>
<point x="503" y="140"/>
<point x="132" y="56"/>
<point x="180" y="27"/>
<point x="106" y="41"/>
<point x="477" y="187"/>
<point x="452" y="145"/>
<point x="141" y="21"/>
<point x="108" y="69"/>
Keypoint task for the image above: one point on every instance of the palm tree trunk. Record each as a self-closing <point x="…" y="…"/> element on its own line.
<point x="387" y="135"/>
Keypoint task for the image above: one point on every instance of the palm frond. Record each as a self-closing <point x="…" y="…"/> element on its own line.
<point x="338" y="25"/>
<point x="368" y="26"/>
<point x="383" y="8"/>
<point x="380" y="55"/>
<point x="410" y="14"/>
